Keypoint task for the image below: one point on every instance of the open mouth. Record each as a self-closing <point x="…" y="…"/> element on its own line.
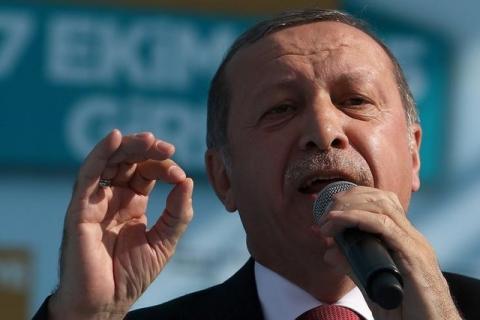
<point x="316" y="184"/>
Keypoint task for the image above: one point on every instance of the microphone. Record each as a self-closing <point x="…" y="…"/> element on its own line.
<point x="371" y="263"/>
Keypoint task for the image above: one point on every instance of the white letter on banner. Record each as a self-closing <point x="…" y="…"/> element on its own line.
<point x="185" y="127"/>
<point x="16" y="29"/>
<point x="87" y="122"/>
<point x="204" y="53"/>
<point x="80" y="50"/>
<point x="175" y="121"/>
<point x="149" y="54"/>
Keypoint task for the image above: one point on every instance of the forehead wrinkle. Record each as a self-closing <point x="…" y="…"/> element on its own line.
<point x="286" y="72"/>
<point x="320" y="60"/>
<point x="327" y="44"/>
<point x="321" y="52"/>
<point x="293" y="71"/>
<point x="289" y="42"/>
<point x="247" y="64"/>
<point x="290" y="73"/>
<point x="337" y="65"/>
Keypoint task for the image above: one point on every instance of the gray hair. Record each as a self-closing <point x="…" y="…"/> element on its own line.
<point x="219" y="93"/>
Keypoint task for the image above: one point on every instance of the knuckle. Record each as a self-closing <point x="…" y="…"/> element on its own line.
<point x="187" y="217"/>
<point x="393" y="198"/>
<point x="383" y="203"/>
<point x="389" y="206"/>
<point x="386" y="222"/>
<point x="336" y="197"/>
<point x="391" y="194"/>
<point x="340" y="198"/>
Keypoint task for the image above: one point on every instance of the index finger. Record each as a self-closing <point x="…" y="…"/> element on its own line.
<point x="373" y="200"/>
<point x="96" y="161"/>
<point x="149" y="171"/>
<point x="140" y="147"/>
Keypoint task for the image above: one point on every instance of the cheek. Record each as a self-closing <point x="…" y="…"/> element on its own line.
<point x="260" y="164"/>
<point x="256" y="172"/>
<point x="389" y="156"/>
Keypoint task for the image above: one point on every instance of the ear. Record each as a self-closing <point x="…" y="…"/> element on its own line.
<point x="219" y="178"/>
<point x="416" y="132"/>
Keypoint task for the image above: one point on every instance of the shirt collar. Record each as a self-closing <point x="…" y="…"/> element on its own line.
<point x="283" y="300"/>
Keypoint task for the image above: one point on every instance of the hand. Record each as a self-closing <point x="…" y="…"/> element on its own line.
<point x="108" y="256"/>
<point x="426" y="293"/>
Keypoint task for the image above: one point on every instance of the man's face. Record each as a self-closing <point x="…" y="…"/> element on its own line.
<point x="312" y="104"/>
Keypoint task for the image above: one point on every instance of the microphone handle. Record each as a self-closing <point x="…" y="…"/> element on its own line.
<point x="373" y="266"/>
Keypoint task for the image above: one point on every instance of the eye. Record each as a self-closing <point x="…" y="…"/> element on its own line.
<point x="354" y="102"/>
<point x="281" y="109"/>
<point x="279" y="114"/>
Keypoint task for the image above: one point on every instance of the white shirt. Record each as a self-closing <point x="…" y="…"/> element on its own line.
<point x="283" y="300"/>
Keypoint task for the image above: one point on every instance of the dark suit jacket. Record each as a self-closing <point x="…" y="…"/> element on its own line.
<point x="237" y="298"/>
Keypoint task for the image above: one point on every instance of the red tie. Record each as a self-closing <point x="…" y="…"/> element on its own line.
<point x="329" y="312"/>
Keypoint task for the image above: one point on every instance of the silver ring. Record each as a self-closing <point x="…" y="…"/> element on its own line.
<point x="105" y="183"/>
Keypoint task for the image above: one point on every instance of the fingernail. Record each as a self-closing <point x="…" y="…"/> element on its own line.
<point x="115" y="131"/>
<point x="165" y="147"/>
<point x="177" y="173"/>
<point x="191" y="182"/>
<point x="143" y="135"/>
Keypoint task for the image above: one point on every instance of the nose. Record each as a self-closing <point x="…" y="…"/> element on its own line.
<point x="323" y="127"/>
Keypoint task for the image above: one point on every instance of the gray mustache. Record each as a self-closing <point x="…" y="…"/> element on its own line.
<point x="347" y="164"/>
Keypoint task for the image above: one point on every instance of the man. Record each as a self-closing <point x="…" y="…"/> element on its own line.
<point x="301" y="100"/>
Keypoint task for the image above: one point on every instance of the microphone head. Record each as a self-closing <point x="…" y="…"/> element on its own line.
<point x="325" y="196"/>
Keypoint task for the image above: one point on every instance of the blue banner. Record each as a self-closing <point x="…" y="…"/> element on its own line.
<point x="70" y="74"/>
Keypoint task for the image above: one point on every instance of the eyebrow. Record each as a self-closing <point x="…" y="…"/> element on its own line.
<point x="294" y="81"/>
<point x="357" y="76"/>
<point x="285" y="83"/>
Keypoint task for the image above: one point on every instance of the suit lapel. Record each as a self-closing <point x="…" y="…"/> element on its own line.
<point x="238" y="296"/>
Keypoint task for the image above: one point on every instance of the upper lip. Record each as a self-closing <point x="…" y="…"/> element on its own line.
<point x="324" y="177"/>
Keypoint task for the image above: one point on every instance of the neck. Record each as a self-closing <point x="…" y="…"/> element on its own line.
<point x="320" y="280"/>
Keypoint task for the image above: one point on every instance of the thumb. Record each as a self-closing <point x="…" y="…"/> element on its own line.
<point x="173" y="222"/>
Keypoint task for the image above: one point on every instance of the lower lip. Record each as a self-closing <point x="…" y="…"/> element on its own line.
<point x="310" y="196"/>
